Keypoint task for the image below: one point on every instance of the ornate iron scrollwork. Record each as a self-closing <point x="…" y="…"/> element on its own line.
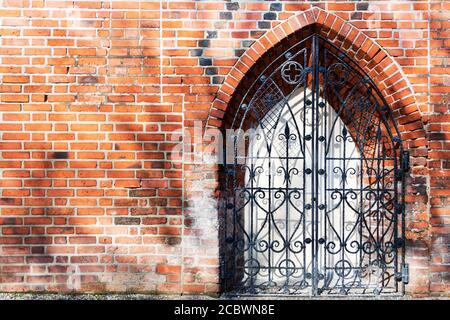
<point x="316" y="207"/>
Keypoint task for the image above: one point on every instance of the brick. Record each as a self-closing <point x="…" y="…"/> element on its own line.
<point x="167" y="269"/>
<point x="89" y="109"/>
<point x="127" y="221"/>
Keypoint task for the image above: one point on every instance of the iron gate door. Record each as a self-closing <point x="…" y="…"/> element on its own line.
<point x="313" y="198"/>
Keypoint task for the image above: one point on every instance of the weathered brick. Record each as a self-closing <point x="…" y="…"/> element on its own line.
<point x="88" y="110"/>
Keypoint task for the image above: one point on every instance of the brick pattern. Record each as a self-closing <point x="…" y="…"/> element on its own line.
<point x="94" y="94"/>
<point x="439" y="155"/>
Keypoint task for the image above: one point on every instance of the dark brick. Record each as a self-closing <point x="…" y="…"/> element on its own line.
<point x="142" y="192"/>
<point x="362" y="6"/>
<point x="256" y="33"/>
<point x="173" y="241"/>
<point x="218" y="80"/>
<point x="210" y="34"/>
<point x="275" y="6"/>
<point x="204" y="43"/>
<point x="196" y="52"/>
<point x="205" y="61"/>
<point x="158" y="165"/>
<point x="6" y="221"/>
<point x="270" y="16"/>
<point x="247" y="43"/>
<point x="226" y="15"/>
<point x="60" y="155"/>
<point x="37" y="250"/>
<point x="437" y="136"/>
<point x="264" y="25"/>
<point x="7" y="200"/>
<point x="239" y="52"/>
<point x="127" y="221"/>
<point x="233" y="6"/>
<point x="172" y="211"/>
<point x="211" y="71"/>
<point x="356" y="15"/>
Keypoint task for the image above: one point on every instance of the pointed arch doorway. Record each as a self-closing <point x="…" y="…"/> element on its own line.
<point x="313" y="194"/>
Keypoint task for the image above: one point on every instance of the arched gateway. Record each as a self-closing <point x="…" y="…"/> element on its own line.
<point x="313" y="203"/>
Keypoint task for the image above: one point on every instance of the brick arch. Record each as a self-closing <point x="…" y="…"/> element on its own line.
<point x="395" y="89"/>
<point x="373" y="59"/>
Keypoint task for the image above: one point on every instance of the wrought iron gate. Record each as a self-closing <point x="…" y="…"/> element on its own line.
<point x="313" y="192"/>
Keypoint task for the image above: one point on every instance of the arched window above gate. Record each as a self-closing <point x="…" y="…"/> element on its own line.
<point x="314" y="199"/>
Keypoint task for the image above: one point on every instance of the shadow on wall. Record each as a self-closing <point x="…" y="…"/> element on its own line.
<point x="72" y="229"/>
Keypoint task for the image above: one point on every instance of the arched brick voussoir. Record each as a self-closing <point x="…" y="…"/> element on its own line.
<point x="368" y="54"/>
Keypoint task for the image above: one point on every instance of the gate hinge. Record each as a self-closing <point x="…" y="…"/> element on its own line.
<point x="403" y="276"/>
<point x="404" y="166"/>
<point x="405" y="161"/>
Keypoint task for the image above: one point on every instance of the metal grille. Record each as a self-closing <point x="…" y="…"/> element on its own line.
<point x="314" y="205"/>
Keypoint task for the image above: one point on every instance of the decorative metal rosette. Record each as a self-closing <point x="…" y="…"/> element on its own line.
<point x="292" y="72"/>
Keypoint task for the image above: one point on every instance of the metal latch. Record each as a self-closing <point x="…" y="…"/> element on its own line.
<point x="404" y="165"/>
<point x="403" y="276"/>
<point x="405" y="161"/>
<point x="405" y="273"/>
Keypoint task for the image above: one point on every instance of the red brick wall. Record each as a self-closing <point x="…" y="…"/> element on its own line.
<point x="92" y="96"/>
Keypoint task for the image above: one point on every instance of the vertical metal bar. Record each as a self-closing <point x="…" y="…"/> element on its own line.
<point x="383" y="213"/>
<point x="235" y="190"/>
<point x="403" y="226"/>
<point x="287" y="210"/>
<point x="326" y="134"/>
<point x="313" y="220"/>
<point x="252" y="273"/>
<point x="269" y="220"/>
<point x="361" y="202"/>
<point x="342" y="244"/>
<point x="401" y="212"/>
<point x="315" y="95"/>
<point x="378" y="200"/>
<point x="305" y="158"/>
